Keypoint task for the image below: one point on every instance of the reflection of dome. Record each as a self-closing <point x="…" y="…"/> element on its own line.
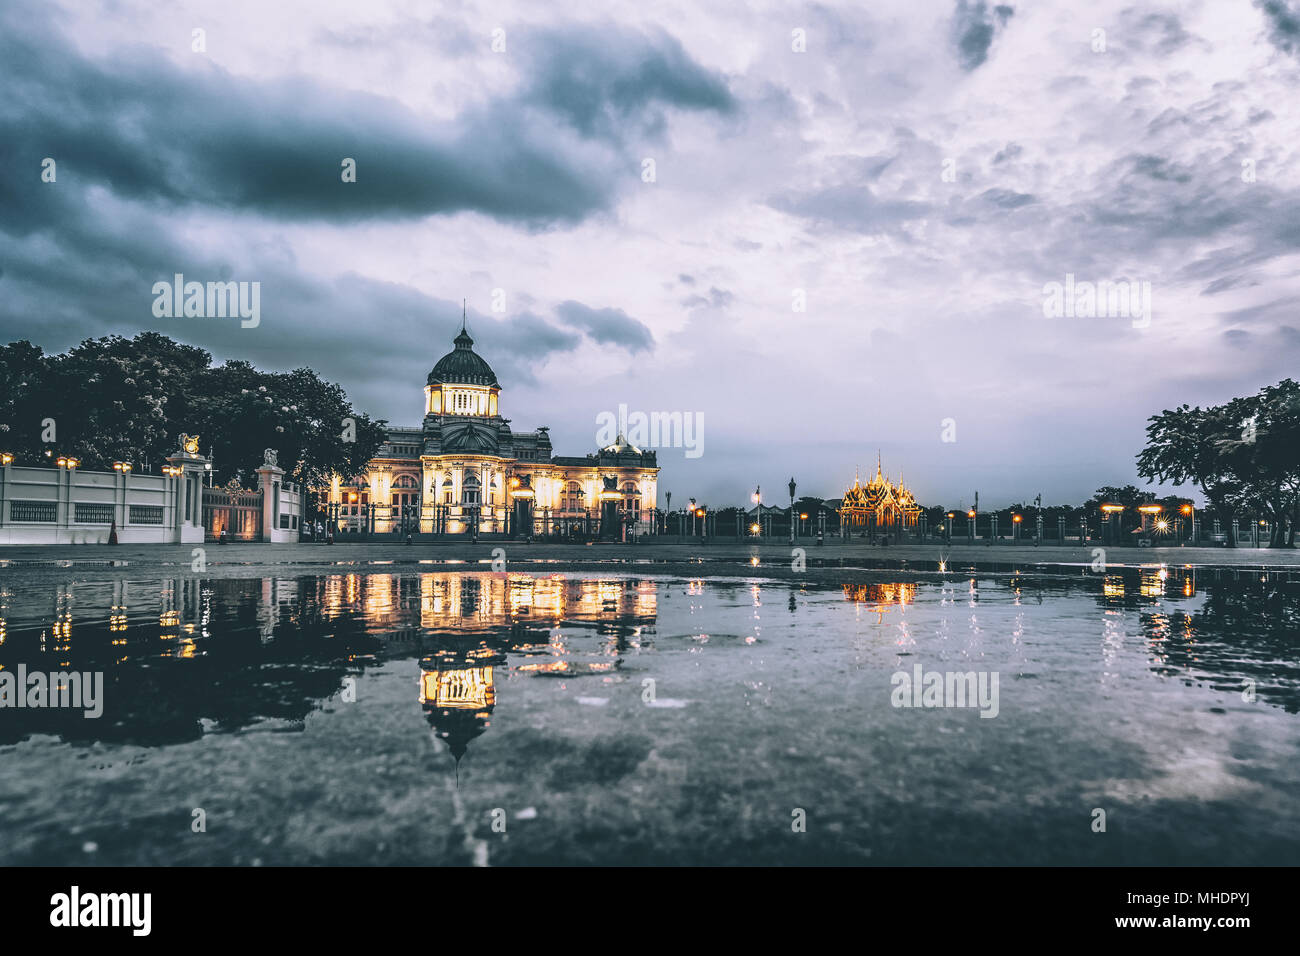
<point x="457" y="701"/>
<point x="462" y="366"/>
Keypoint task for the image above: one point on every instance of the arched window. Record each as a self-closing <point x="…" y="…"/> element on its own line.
<point x="446" y="490"/>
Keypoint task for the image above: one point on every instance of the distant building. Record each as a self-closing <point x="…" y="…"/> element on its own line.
<point x="879" y="505"/>
<point x="464" y="470"/>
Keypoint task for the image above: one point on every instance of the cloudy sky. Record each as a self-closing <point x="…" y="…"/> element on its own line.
<point x="917" y="172"/>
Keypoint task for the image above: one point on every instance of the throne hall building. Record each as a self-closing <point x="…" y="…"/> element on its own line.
<point x="464" y="470"/>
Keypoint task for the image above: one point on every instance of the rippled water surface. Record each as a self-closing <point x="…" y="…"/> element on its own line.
<point x="458" y="717"/>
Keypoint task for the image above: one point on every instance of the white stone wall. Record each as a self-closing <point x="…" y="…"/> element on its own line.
<point x="73" y="506"/>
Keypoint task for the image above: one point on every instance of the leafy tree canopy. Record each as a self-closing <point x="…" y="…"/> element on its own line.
<point x="119" y="399"/>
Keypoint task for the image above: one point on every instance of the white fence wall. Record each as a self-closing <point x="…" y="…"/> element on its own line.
<point x="72" y="506"/>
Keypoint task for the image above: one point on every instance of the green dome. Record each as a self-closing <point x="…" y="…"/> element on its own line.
<point x="463" y="366"/>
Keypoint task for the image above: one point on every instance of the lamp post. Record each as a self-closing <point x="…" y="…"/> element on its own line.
<point x="668" y="508"/>
<point x="792" y="510"/>
<point x="1191" y="514"/>
<point x="582" y="506"/>
<point x="757" y="498"/>
<point x="692" y="517"/>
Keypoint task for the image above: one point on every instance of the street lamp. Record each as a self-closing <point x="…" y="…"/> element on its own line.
<point x="692" y="517"/>
<point x="792" y="510"/>
<point x="757" y="498"/>
<point x="582" y="506"/>
<point x="6" y="458"/>
<point x="668" y="508"/>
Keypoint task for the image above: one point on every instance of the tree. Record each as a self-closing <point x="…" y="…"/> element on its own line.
<point x="115" y="398"/>
<point x="1187" y="445"/>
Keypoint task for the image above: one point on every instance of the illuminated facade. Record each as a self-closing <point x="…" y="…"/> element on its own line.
<point x="879" y="505"/>
<point x="464" y="470"/>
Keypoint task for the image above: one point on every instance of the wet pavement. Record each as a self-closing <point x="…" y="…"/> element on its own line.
<point x="431" y="715"/>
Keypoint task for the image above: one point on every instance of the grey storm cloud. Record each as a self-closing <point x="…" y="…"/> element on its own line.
<point x="850" y="207"/>
<point x="136" y="137"/>
<point x="607" y="326"/>
<point x="1283" y="24"/>
<point x="973" y="27"/>
<point x="607" y="83"/>
<point x="150" y="131"/>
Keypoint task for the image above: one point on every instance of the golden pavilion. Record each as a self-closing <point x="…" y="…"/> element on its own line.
<point x="879" y="505"/>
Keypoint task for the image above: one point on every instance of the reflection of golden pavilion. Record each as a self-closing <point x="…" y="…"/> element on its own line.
<point x="892" y="592"/>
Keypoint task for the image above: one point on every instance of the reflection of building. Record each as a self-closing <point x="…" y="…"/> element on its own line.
<point x="879" y="505"/>
<point x="464" y="470"/>
<point x="458" y="693"/>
